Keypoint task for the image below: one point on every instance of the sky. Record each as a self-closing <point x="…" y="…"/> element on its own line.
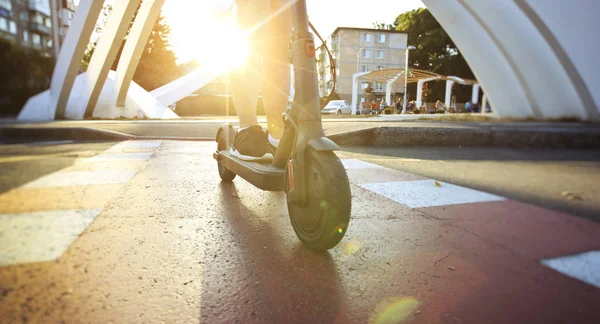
<point x="194" y="24"/>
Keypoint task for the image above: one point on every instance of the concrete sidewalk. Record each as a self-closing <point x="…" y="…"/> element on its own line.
<point x="347" y="132"/>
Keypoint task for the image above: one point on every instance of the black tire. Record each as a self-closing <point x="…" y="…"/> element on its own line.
<point x="322" y="222"/>
<point x="225" y="174"/>
<point x="339" y="112"/>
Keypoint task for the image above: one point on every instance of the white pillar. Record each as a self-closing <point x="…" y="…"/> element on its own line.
<point x="484" y="103"/>
<point x="388" y="89"/>
<point x="355" y="86"/>
<point x="354" y="93"/>
<point x="134" y="47"/>
<point x="106" y="52"/>
<point x="420" y="93"/>
<point x="475" y="94"/>
<point x="71" y="54"/>
<point x="447" y="101"/>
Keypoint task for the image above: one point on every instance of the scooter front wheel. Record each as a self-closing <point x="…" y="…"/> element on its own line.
<point x="322" y="221"/>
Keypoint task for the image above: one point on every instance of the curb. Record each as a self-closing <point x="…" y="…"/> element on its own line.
<point x="494" y="136"/>
<point x="81" y="134"/>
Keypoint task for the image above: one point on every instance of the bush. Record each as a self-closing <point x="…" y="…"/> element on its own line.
<point x="25" y="72"/>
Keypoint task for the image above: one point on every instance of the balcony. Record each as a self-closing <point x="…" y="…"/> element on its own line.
<point x="66" y="16"/>
<point x="40" y="28"/>
<point x="42" y="6"/>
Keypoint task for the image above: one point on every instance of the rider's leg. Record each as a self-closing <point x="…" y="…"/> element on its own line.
<point x="276" y="66"/>
<point x="244" y="81"/>
<point x="250" y="142"/>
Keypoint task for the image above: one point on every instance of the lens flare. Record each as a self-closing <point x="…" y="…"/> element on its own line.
<point x="394" y="310"/>
<point x="352" y="247"/>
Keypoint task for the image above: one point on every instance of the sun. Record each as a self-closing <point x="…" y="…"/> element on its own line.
<point x="209" y="36"/>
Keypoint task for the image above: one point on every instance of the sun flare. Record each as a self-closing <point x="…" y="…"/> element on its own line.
<point x="206" y="32"/>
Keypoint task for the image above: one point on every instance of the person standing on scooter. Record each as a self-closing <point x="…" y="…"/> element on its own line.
<point x="268" y="66"/>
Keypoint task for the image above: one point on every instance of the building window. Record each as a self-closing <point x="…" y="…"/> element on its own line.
<point x="378" y="86"/>
<point x="37" y="40"/>
<point x="364" y="85"/>
<point x="364" y="68"/>
<point x="12" y="27"/>
<point x="366" y="53"/>
<point x="333" y="39"/>
<point x="382" y="38"/>
<point x="25" y="36"/>
<point x="24" y="16"/>
<point x="367" y="38"/>
<point x="49" y="43"/>
<point x="6" y="4"/>
<point x="48" y="23"/>
<point x="380" y="67"/>
<point x="3" y="24"/>
<point x="380" y="54"/>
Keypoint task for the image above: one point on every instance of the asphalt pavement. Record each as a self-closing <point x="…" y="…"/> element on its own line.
<point x="144" y="231"/>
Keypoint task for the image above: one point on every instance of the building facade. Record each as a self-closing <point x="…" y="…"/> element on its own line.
<point x="29" y="23"/>
<point x="360" y="50"/>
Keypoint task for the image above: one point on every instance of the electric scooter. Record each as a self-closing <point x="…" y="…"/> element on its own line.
<point x="304" y="166"/>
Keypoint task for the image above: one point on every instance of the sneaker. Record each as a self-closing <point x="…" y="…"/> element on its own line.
<point x="251" y="144"/>
<point x="274" y="142"/>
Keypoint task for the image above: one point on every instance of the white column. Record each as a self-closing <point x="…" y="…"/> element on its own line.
<point x="355" y="87"/>
<point x="354" y="93"/>
<point x="388" y="89"/>
<point x="475" y="94"/>
<point x="448" y="99"/>
<point x="484" y="103"/>
<point x="71" y="54"/>
<point x="106" y="52"/>
<point x="134" y="47"/>
<point x="420" y="93"/>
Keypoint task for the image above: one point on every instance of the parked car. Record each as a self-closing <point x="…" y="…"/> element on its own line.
<point x="337" y="107"/>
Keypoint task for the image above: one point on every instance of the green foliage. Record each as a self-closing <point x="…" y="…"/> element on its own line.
<point x="157" y="65"/>
<point x="435" y="51"/>
<point x="382" y="25"/>
<point x="24" y="73"/>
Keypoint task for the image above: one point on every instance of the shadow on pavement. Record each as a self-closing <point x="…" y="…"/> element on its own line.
<point x="21" y="164"/>
<point x="267" y="278"/>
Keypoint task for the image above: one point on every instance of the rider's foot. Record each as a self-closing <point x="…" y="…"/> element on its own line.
<point x="251" y="144"/>
<point x="274" y="142"/>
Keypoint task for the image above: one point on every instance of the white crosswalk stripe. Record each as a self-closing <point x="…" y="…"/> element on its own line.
<point x="46" y="235"/>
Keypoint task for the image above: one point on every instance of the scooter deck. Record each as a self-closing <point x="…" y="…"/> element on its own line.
<point x="262" y="175"/>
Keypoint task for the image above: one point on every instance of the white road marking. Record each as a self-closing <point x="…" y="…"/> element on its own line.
<point x="81" y="178"/>
<point x="424" y="193"/>
<point x="584" y="266"/>
<point x="358" y="164"/>
<point x="41" y="236"/>
<point x="106" y="157"/>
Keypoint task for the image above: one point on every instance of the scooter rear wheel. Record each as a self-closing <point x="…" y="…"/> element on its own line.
<point x="322" y="222"/>
<point x="225" y="174"/>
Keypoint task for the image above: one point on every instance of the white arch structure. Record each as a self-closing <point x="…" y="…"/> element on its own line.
<point x="533" y="58"/>
<point x="103" y="93"/>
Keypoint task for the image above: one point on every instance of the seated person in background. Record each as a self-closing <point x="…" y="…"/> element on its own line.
<point x="439" y="105"/>
<point x="399" y="105"/>
<point x="468" y="106"/>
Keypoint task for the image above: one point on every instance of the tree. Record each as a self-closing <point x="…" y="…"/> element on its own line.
<point x="158" y="64"/>
<point x="383" y="25"/>
<point x="24" y="73"/>
<point x="435" y="51"/>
